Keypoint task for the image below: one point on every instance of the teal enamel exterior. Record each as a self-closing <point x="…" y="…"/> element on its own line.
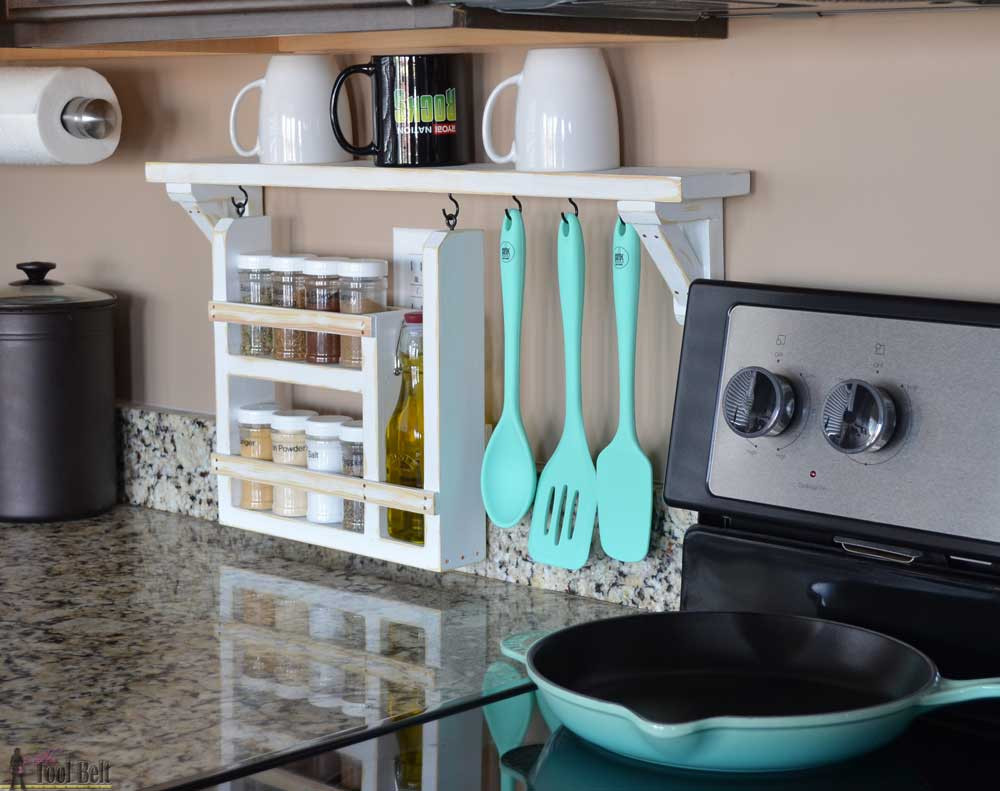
<point x="740" y="744"/>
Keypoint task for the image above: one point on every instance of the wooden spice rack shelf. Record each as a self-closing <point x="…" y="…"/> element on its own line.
<point x="454" y="403"/>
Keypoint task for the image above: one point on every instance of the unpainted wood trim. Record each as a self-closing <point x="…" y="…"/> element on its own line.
<point x="387" y="495"/>
<point x="291" y="318"/>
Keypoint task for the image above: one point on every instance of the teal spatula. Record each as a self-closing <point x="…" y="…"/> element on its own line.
<point x="508" y="475"/>
<point x="624" y="474"/>
<point x="562" y="523"/>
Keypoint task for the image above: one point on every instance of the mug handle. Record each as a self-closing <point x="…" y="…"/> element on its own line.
<point x="360" y="68"/>
<point x="488" y="123"/>
<point x="243" y="152"/>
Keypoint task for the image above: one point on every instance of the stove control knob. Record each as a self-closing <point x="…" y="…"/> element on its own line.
<point x="758" y="403"/>
<point x="858" y="417"/>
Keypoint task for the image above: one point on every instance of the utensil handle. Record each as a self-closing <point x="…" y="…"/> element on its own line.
<point x="516" y="646"/>
<point x="572" y="266"/>
<point x="243" y="152"/>
<point x="948" y="691"/>
<point x="625" y="270"/>
<point x="512" y="259"/>
<point x="511" y="155"/>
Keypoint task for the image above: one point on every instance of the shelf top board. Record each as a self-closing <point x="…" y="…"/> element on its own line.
<point x="661" y="184"/>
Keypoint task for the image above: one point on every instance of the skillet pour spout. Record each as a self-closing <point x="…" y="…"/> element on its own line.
<point x="734" y="691"/>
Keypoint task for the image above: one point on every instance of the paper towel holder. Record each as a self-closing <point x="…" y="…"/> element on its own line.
<point x="92" y="119"/>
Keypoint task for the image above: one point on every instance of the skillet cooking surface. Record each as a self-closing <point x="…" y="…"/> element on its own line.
<point x="678" y="667"/>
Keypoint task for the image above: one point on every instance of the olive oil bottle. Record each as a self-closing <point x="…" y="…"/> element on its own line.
<point x="404" y="434"/>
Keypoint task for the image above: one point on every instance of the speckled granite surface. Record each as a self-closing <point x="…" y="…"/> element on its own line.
<point x="163" y="461"/>
<point x="166" y="467"/>
<point x="173" y="647"/>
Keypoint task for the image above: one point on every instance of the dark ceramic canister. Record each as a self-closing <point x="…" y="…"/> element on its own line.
<point x="57" y="399"/>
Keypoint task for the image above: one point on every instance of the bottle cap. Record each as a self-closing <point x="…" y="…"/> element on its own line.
<point x="292" y="262"/>
<point x="326" y="425"/>
<point x="256" y="414"/>
<point x="324" y="267"/>
<point x="414" y="317"/>
<point x="364" y="267"/>
<point x="291" y="419"/>
<point x="352" y="431"/>
<point x="254" y="261"/>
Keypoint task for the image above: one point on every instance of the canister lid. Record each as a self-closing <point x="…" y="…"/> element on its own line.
<point x="256" y="414"/>
<point x="292" y="262"/>
<point x="37" y="294"/>
<point x="326" y="425"/>
<point x="254" y="261"/>
<point x="364" y="267"/>
<point x="291" y="419"/>
<point x="353" y="431"/>
<point x="324" y="267"/>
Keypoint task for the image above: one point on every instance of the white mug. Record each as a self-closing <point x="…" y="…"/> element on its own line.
<point x="294" y="126"/>
<point x="566" y="116"/>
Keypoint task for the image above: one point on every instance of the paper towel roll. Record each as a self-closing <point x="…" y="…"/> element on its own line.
<point x="31" y="106"/>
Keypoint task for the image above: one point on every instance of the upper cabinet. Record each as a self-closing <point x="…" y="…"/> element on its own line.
<point x="301" y="25"/>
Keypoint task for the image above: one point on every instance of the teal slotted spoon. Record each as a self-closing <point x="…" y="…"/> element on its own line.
<point x="624" y="473"/>
<point x="507" y="479"/>
<point x="562" y="522"/>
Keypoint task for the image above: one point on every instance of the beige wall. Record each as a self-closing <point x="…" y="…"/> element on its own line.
<point x="875" y="144"/>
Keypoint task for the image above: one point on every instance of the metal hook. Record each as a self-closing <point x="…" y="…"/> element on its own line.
<point x="576" y="209"/>
<point x="451" y="220"/>
<point x="519" y="208"/>
<point x="241" y="208"/>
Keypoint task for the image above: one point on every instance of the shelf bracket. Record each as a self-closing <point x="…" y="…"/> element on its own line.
<point x="206" y="204"/>
<point x="683" y="239"/>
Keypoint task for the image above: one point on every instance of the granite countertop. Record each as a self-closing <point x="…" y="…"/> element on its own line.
<point x="172" y="647"/>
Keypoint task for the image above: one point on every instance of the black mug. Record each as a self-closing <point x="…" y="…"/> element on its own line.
<point x="422" y="107"/>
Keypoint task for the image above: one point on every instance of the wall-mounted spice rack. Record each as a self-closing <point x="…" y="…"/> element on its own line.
<point x="454" y="386"/>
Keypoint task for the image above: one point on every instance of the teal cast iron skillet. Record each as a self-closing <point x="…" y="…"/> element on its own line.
<point x="739" y="692"/>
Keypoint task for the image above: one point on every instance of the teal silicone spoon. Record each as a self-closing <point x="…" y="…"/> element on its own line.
<point x="562" y="523"/>
<point x="508" y="475"/>
<point x="624" y="473"/>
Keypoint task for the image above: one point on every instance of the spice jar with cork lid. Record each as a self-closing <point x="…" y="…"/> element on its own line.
<point x="352" y="442"/>
<point x="288" y="446"/>
<point x="288" y="283"/>
<point x="364" y="288"/>
<point x="254" y="422"/>
<point x="322" y="293"/>
<point x="255" y="289"/>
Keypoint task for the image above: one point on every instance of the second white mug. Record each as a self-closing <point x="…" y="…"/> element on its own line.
<point x="294" y="113"/>
<point x="566" y="116"/>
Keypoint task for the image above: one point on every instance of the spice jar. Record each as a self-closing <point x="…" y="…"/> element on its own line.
<point x="288" y="446"/>
<point x="254" y="422"/>
<point x="288" y="283"/>
<point x="255" y="289"/>
<point x="364" y="288"/>
<point x="352" y="438"/>
<point x="322" y="293"/>
<point x="324" y="454"/>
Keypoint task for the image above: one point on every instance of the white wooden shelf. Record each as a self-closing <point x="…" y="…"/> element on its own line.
<point x="329" y="377"/>
<point x="678" y="211"/>
<point x="661" y="184"/>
